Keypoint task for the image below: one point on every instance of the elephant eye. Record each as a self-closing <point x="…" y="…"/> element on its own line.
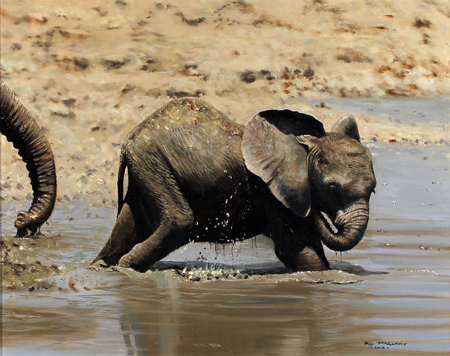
<point x="322" y="160"/>
<point x="332" y="188"/>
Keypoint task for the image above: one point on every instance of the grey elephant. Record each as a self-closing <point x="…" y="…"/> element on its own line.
<point x="195" y="175"/>
<point x="19" y="127"/>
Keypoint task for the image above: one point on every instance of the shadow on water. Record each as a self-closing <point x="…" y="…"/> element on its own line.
<point x="194" y="270"/>
<point x="355" y="269"/>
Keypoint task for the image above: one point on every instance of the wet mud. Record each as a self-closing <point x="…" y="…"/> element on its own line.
<point x="18" y="273"/>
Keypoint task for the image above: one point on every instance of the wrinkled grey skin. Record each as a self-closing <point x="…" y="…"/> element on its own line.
<point x="19" y="127"/>
<point x="194" y="175"/>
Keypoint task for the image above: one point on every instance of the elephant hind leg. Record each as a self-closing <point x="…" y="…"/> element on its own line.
<point x="172" y="233"/>
<point x="166" y="210"/>
<point x="123" y="238"/>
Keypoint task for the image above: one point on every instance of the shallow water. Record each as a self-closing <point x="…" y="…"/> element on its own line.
<point x="429" y="112"/>
<point x="391" y="292"/>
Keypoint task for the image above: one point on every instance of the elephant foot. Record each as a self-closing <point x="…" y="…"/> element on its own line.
<point x="126" y="261"/>
<point x="316" y="267"/>
<point x="98" y="264"/>
<point x="307" y="260"/>
<point x="129" y="260"/>
<point x="22" y="232"/>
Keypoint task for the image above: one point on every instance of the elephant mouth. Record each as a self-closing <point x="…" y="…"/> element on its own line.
<point x="346" y="229"/>
<point x="329" y="223"/>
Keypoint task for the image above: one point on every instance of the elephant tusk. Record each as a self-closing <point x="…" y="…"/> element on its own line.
<point x="329" y="223"/>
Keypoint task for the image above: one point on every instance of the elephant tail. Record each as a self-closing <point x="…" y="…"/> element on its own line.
<point x="121" y="173"/>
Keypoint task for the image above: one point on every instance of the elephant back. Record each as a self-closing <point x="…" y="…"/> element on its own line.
<point x="186" y="114"/>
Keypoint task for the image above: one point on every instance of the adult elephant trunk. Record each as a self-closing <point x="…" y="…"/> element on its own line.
<point x="349" y="224"/>
<point x="19" y="127"/>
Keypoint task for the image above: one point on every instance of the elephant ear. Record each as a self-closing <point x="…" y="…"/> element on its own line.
<point x="271" y="152"/>
<point x="347" y="125"/>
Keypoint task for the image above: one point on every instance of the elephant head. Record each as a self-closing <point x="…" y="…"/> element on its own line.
<point x="324" y="177"/>
<point x="342" y="179"/>
<point x="19" y="127"/>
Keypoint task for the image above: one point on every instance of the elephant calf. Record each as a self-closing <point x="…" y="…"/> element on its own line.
<point x="195" y="175"/>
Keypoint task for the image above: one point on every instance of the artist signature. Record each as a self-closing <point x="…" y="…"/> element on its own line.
<point x="384" y="345"/>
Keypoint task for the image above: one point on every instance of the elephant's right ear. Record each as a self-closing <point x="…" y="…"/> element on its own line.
<point x="347" y="125"/>
<point x="280" y="161"/>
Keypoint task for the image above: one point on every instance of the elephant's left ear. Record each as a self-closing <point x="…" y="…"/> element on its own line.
<point x="280" y="161"/>
<point x="347" y="125"/>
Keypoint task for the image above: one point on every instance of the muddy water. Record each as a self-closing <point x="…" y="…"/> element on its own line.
<point x="389" y="295"/>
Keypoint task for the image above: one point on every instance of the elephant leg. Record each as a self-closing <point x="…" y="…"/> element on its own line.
<point x="308" y="258"/>
<point x="299" y="256"/>
<point x="163" y="207"/>
<point x="123" y="238"/>
<point x="293" y="246"/>
<point x="169" y="236"/>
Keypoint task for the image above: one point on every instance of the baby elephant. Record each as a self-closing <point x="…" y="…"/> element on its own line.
<point x="195" y="175"/>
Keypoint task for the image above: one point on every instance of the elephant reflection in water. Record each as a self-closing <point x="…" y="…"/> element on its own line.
<point x="287" y="318"/>
<point x="195" y="175"/>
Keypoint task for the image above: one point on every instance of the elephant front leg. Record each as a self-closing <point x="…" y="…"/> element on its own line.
<point x="295" y="244"/>
<point x="307" y="259"/>
<point x="299" y="255"/>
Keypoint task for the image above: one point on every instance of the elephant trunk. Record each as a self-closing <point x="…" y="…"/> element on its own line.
<point x="350" y="225"/>
<point x="20" y="128"/>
